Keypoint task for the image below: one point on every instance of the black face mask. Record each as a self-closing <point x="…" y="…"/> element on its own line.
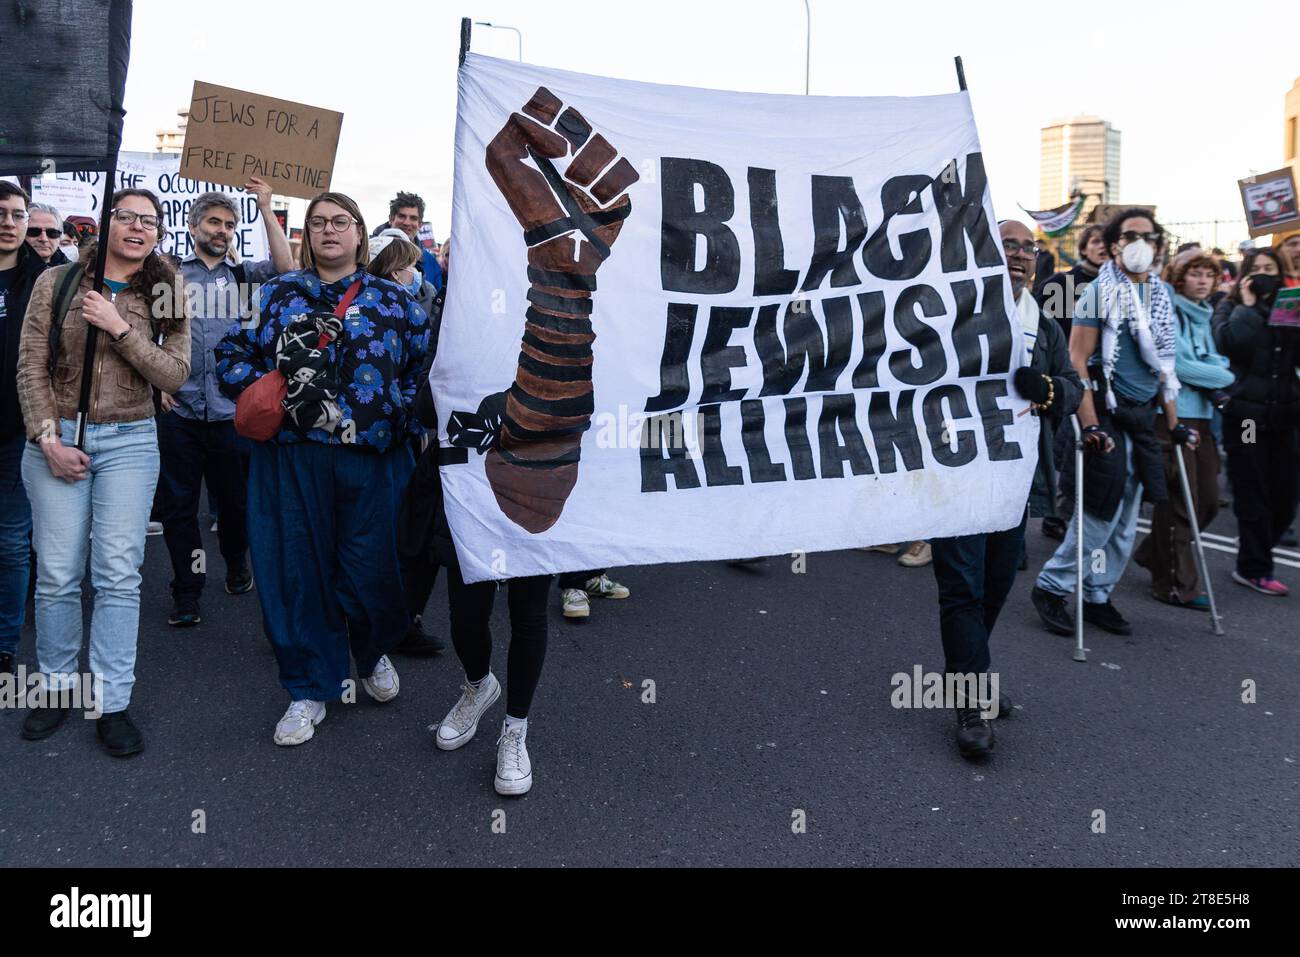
<point x="1264" y="286"/>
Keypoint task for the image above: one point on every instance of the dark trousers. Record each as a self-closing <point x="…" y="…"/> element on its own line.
<point x="471" y="611"/>
<point x="1168" y="552"/>
<point x="418" y="579"/>
<point x="191" y="452"/>
<point x="1263" y="477"/>
<point x="15" y="542"/>
<point x="974" y="574"/>
<point x="323" y="535"/>
<point x="579" y="580"/>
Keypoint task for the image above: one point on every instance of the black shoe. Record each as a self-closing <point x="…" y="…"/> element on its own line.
<point x="1054" y="528"/>
<point x="974" y="734"/>
<point x="7" y="664"/>
<point x="1106" y="617"/>
<point x="43" y="722"/>
<point x="185" y="614"/>
<point x="417" y="644"/>
<point x="239" y="582"/>
<point x="119" y="735"/>
<point x="1052" y="610"/>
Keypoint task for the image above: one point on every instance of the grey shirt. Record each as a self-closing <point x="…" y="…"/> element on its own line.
<point x="215" y="306"/>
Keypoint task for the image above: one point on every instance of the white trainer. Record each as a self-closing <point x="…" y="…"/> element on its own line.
<point x="462" y="720"/>
<point x="382" y="685"/>
<point x="603" y="586"/>
<point x="576" y="603"/>
<point x="514" y="770"/>
<point x="299" y="722"/>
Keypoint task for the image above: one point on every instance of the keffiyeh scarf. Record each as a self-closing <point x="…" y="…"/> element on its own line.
<point x="1149" y="313"/>
<point x="312" y="398"/>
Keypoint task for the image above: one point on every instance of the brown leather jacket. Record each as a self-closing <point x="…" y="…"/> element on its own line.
<point x="124" y="370"/>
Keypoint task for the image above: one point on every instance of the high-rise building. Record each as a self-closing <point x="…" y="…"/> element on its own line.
<point x="1079" y="155"/>
<point x="171" y="141"/>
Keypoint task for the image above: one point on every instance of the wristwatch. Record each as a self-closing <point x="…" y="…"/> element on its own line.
<point x="118" y="338"/>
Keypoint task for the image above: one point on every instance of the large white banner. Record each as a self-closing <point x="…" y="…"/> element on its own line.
<point x="688" y="324"/>
<point x="78" y="194"/>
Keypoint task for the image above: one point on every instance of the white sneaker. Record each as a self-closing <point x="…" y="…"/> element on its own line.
<point x="606" y="587"/>
<point x="299" y="722"/>
<point x="461" y="722"/>
<point x="155" y="528"/>
<point x="382" y="685"/>
<point x="576" y="603"/>
<point x="514" y="770"/>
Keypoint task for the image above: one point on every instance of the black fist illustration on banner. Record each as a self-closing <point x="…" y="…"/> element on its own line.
<point x="570" y="222"/>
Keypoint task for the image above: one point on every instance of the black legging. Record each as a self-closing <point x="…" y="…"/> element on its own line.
<point x="470" y="608"/>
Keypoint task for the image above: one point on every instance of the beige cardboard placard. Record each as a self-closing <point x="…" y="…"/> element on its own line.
<point x="232" y="135"/>
<point x="1270" y="202"/>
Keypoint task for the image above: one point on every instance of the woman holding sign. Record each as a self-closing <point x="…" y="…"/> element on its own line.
<point x="94" y="498"/>
<point x="1260" y="421"/>
<point x="325" y="480"/>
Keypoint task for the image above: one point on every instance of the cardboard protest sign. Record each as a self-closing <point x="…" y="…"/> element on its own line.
<point x="1103" y="212"/>
<point x="78" y="195"/>
<point x="231" y="135"/>
<point x="1270" y="202"/>
<point x="690" y="324"/>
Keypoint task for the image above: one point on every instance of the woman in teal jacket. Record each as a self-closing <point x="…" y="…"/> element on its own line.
<point x="1167" y="551"/>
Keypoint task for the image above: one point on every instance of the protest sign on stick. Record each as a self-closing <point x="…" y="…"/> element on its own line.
<point x="231" y="135"/>
<point x="690" y="324"/>
<point x="1270" y="202"/>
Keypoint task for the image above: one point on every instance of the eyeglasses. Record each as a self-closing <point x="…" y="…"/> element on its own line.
<point x="16" y="216"/>
<point x="49" y="232"/>
<point x="1011" y="247"/>
<point x="128" y="216"/>
<point x="1132" y="236"/>
<point x="317" y="223"/>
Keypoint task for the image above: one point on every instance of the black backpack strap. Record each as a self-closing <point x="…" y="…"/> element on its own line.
<point x="64" y="293"/>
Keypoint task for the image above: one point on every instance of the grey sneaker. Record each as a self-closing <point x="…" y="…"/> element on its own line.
<point x="462" y="720"/>
<point x="299" y="722"/>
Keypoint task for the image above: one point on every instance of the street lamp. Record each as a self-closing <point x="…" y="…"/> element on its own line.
<point x="807" y="50"/>
<point x="497" y="26"/>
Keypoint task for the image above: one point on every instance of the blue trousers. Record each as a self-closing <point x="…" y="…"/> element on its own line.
<point x="15" y="542"/>
<point x="322" y="531"/>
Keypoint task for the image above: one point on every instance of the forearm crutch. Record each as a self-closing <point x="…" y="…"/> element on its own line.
<point x="1215" y="624"/>
<point x="1079" y="653"/>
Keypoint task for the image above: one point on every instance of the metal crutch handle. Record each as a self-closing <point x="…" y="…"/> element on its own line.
<point x="1216" y="624"/>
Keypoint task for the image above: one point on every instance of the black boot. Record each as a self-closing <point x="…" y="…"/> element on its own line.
<point x="416" y="643"/>
<point x="1106" y="617"/>
<point x="974" y="733"/>
<point x="119" y="735"/>
<point x="43" y="722"/>
<point x="185" y="613"/>
<point x="1051" y="609"/>
<point x="239" y="581"/>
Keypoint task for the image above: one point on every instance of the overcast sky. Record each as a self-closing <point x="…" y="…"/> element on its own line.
<point x="1198" y="95"/>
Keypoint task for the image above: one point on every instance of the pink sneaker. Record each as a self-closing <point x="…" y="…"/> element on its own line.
<point x="1265" y="586"/>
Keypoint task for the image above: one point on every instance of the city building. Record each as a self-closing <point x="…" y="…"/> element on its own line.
<point x="1291" y="131"/>
<point x="171" y="141"/>
<point x="1079" y="155"/>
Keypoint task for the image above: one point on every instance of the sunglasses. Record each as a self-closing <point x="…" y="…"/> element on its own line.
<point x="1132" y="236"/>
<point x="50" y="232"/>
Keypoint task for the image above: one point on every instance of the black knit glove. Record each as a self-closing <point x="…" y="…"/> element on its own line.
<point x="1031" y="385"/>
<point x="1182" y="435"/>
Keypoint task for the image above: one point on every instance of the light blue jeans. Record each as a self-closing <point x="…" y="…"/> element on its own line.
<point x="1107" y="546"/>
<point x="113" y="504"/>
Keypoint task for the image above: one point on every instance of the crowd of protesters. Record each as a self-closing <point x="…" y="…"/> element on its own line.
<point x="336" y="520"/>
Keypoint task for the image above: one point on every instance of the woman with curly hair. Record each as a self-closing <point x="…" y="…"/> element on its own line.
<point x="323" y="493"/>
<point x="95" y="497"/>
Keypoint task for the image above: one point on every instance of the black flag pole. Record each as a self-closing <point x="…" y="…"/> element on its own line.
<point x="464" y="38"/>
<point x="97" y="284"/>
<point x="961" y="74"/>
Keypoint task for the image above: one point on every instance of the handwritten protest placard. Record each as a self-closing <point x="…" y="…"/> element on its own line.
<point x="232" y="135"/>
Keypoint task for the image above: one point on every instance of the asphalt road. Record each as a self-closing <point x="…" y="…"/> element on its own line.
<point x="772" y="696"/>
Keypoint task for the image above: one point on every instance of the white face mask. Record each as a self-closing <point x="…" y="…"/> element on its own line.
<point x="1138" y="256"/>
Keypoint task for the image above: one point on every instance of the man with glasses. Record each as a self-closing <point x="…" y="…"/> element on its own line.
<point x="1122" y="344"/>
<point x="19" y="268"/>
<point x="196" y="428"/>
<point x="45" y="233"/>
<point x="975" y="572"/>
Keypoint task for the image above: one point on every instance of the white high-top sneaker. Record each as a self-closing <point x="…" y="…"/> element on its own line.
<point x="514" y="770"/>
<point x="382" y="685"/>
<point x="299" y="722"/>
<point x="462" y="720"/>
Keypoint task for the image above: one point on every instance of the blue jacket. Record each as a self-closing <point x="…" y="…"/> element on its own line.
<point x="1198" y="364"/>
<point x="379" y="354"/>
<point x="432" y="271"/>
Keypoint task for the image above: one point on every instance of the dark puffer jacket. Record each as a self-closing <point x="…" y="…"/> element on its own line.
<point x="1264" y="360"/>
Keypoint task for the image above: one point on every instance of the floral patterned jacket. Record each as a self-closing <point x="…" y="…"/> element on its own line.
<point x="378" y="356"/>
